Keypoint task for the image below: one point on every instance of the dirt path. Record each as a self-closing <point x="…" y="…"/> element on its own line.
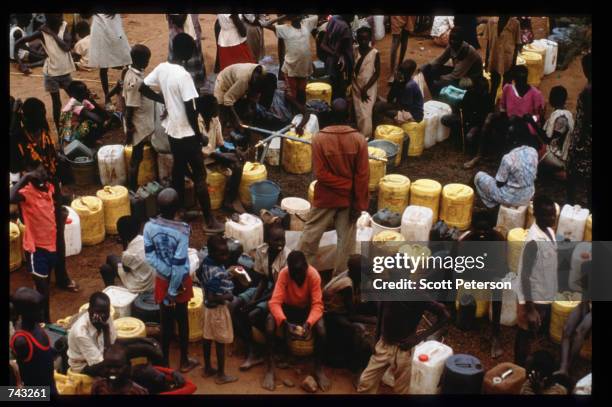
<point x="151" y="30"/>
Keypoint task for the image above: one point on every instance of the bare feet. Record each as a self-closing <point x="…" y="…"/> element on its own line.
<point x="251" y="361"/>
<point x="470" y="164"/>
<point x="208" y="372"/>
<point x="268" y="381"/>
<point x="25" y="69"/>
<point x="224" y="379"/>
<point x="322" y="380"/>
<point x="189" y="366"/>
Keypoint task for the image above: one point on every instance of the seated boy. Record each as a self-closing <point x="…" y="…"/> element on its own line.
<point x="297" y="306"/>
<point x="116" y="375"/>
<point x="558" y="130"/>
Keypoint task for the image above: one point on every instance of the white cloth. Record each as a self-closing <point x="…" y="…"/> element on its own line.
<point x="144" y="113"/>
<point x="86" y="344"/>
<point x="363" y="110"/>
<point x="229" y="35"/>
<point x="298" y="59"/>
<point x="442" y="24"/>
<point x="544" y="279"/>
<point x="141" y="276"/>
<point x="189" y="28"/>
<point x="177" y="86"/>
<point x="58" y="62"/>
<point x="109" y="45"/>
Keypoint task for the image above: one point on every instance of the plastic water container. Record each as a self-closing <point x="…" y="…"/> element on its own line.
<point x="394" y="192"/>
<point x="121" y="298"/>
<point x="457" y="205"/>
<point x="387" y="236"/>
<point x="435" y="131"/>
<point x="390" y="148"/>
<point x="128" y="327"/>
<point x="83" y="382"/>
<point x="65" y="386"/>
<point x="248" y="231"/>
<point x="552" y="50"/>
<point x="216" y="180"/>
<point x="582" y="253"/>
<point x="427" y="366"/>
<point x="588" y="229"/>
<point x="584" y="385"/>
<point x="147" y="170"/>
<point x="298" y="210"/>
<point x="319" y="91"/>
<point x="505" y="378"/>
<point x="516" y="241"/>
<point x="111" y="165"/>
<point x="416" y="133"/>
<point x="91" y="214"/>
<point x="535" y="67"/>
<point x="15" y="247"/>
<point x="116" y="203"/>
<point x="273" y="154"/>
<point x="264" y="195"/>
<point x="416" y="223"/>
<point x="251" y="172"/>
<point x="510" y="217"/>
<point x="531" y="217"/>
<point x="72" y="233"/>
<point x="426" y="192"/>
<point x="463" y="374"/>
<point x="195" y="315"/>
<point x="509" y="301"/>
<point x="164" y="166"/>
<point x="378" y="169"/>
<point x="297" y="157"/>
<point x="391" y="133"/>
<point x="311" y="191"/>
<point x="572" y="222"/>
<point x="562" y="307"/>
<point x="452" y="95"/>
<point x="535" y="47"/>
<point x="84" y="171"/>
<point x="363" y="234"/>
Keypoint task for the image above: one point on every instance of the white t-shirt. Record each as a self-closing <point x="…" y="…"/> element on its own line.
<point x="298" y="61"/>
<point x="177" y="87"/>
<point x="229" y="35"/>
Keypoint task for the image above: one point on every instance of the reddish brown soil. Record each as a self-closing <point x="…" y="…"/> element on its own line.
<point x="442" y="162"/>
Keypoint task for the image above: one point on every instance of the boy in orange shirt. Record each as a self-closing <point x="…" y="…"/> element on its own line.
<point x="297" y="306"/>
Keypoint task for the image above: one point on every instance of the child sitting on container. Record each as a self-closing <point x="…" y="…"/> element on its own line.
<point x="217" y="322"/>
<point x="82" y="118"/>
<point x="558" y="130"/>
<point x="397" y="333"/>
<point x="216" y="153"/>
<point x="116" y="377"/>
<point x="540" y="367"/>
<point x="80" y="51"/>
<point x="35" y="196"/>
<point x="132" y="268"/>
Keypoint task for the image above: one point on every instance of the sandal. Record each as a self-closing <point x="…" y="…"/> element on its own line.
<point x="72" y="287"/>
<point x="192" y="364"/>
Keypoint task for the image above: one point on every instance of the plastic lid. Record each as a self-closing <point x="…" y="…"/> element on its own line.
<point x="423" y="358"/>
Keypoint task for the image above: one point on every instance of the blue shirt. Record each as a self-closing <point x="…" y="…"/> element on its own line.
<point x="166" y="244"/>
<point x="215" y="279"/>
<point x="409" y="97"/>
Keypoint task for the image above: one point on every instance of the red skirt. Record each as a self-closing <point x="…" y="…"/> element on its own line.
<point x="235" y="55"/>
<point x="161" y="289"/>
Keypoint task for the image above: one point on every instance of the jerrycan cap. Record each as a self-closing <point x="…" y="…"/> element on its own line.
<point x="423" y="358"/>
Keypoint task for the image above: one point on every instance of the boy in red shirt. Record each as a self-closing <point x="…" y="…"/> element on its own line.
<point x="34" y="194"/>
<point x="297" y="306"/>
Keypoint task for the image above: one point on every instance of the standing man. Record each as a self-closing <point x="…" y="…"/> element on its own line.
<point x="400" y="27"/>
<point x="340" y="165"/>
<point x="166" y="242"/>
<point x="538" y="277"/>
<point x="178" y="93"/>
<point x="337" y="47"/>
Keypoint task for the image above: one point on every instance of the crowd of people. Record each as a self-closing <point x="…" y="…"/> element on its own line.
<point x="204" y="129"/>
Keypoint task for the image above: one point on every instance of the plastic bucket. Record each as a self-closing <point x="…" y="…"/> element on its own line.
<point x="389" y="147"/>
<point x="84" y="171"/>
<point x="264" y="195"/>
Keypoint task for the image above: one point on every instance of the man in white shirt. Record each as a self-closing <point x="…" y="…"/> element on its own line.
<point x="178" y="93"/>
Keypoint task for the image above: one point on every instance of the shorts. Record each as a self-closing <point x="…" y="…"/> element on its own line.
<point x="54" y="83"/>
<point x="161" y="289"/>
<point x="41" y="262"/>
<point x="294" y="85"/>
<point x="401" y="23"/>
<point x="248" y="295"/>
<point x="217" y="324"/>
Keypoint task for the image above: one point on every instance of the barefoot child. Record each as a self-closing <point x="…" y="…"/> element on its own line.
<point x="218" y="286"/>
<point x="82" y="118"/>
<point x="56" y="41"/>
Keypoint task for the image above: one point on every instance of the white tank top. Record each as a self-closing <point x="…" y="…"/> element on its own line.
<point x="58" y="62"/>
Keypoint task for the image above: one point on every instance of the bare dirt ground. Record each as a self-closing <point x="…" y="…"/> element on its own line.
<point x="443" y="162"/>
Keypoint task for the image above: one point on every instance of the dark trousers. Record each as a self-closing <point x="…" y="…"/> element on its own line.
<point x="168" y="315"/>
<point x="61" y="275"/>
<point x="187" y="152"/>
<point x="572" y="183"/>
<point x="432" y="76"/>
<point x="108" y="271"/>
<point x="137" y="154"/>
<point x="337" y="78"/>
